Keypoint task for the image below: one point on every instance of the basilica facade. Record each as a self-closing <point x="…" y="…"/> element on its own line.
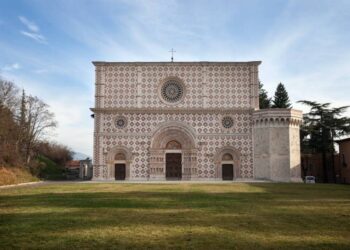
<point x="189" y="121"/>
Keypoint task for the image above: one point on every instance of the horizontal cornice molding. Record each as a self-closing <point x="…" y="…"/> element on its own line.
<point x="202" y="63"/>
<point x="173" y="110"/>
<point x="150" y="134"/>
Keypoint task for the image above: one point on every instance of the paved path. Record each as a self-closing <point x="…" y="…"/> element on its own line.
<point x="42" y="183"/>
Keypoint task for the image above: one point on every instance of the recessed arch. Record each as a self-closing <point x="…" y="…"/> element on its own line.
<point x="173" y="145"/>
<point x="227" y="155"/>
<point x="173" y="138"/>
<point x="169" y="131"/>
<point x="119" y="155"/>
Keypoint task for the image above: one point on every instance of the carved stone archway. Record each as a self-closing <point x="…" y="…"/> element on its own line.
<point x="227" y="155"/>
<point x="167" y="138"/>
<point x="119" y="154"/>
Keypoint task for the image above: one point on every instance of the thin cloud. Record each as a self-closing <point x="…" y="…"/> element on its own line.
<point x="11" y="67"/>
<point x="37" y="37"/>
<point x="30" y="25"/>
<point x="33" y="31"/>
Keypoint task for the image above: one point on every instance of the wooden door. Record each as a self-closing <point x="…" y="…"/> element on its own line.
<point x="120" y="171"/>
<point x="227" y="172"/>
<point x="173" y="166"/>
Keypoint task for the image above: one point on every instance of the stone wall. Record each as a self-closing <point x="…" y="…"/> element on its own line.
<point x="210" y="136"/>
<point x="277" y="144"/>
<point x="130" y="93"/>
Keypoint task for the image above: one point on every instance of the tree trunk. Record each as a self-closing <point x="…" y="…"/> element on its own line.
<point x="324" y="164"/>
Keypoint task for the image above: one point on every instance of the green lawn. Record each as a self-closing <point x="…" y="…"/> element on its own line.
<point x="176" y="216"/>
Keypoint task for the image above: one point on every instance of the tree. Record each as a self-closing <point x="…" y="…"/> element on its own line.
<point x="8" y="137"/>
<point x="320" y="128"/>
<point x="38" y="121"/>
<point x="264" y="100"/>
<point x="281" y="98"/>
<point x="22" y="122"/>
<point x="8" y="95"/>
<point x="58" y="153"/>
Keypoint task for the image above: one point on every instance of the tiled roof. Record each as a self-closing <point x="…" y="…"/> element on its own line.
<point x="73" y="164"/>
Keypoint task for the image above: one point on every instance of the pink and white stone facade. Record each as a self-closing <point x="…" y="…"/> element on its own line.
<point x="133" y="120"/>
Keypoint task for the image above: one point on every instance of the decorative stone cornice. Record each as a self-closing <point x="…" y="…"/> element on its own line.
<point x="149" y="135"/>
<point x="173" y="110"/>
<point x="277" y="117"/>
<point x="202" y="63"/>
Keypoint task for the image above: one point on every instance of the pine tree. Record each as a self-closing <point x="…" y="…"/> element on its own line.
<point x="281" y="98"/>
<point x="264" y="100"/>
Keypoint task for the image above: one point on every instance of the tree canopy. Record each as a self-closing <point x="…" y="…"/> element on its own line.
<point x="321" y="126"/>
<point x="264" y="100"/>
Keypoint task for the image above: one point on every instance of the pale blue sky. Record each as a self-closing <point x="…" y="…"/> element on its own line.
<point x="47" y="47"/>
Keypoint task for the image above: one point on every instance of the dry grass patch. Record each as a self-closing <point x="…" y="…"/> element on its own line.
<point x="15" y="175"/>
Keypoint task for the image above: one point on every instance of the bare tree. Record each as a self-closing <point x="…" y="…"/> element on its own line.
<point x="9" y="95"/>
<point x="8" y="138"/>
<point x="38" y="121"/>
<point x="24" y="121"/>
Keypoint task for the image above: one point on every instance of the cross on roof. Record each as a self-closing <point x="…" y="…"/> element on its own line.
<point x="172" y="54"/>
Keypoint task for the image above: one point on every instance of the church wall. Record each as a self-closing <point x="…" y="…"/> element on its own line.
<point x="210" y="137"/>
<point x="212" y="85"/>
<point x="211" y="91"/>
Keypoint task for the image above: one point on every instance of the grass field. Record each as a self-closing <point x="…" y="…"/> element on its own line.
<point x="176" y="216"/>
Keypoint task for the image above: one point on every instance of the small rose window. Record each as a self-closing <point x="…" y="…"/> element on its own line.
<point x="227" y="122"/>
<point x="120" y="122"/>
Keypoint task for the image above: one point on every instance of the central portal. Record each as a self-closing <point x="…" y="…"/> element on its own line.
<point x="173" y="166"/>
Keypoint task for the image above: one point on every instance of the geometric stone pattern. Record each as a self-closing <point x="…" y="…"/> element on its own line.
<point x="210" y="91"/>
<point x="211" y="133"/>
<point x="122" y="80"/>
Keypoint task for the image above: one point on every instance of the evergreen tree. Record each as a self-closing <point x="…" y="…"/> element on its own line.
<point x="281" y="98"/>
<point x="264" y="100"/>
<point x="320" y="128"/>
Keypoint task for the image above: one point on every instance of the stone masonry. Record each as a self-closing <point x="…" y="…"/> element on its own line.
<point x="206" y="111"/>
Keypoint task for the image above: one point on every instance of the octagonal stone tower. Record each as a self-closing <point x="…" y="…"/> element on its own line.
<point x="277" y="144"/>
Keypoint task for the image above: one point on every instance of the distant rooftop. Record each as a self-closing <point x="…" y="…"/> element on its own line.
<point x="343" y="140"/>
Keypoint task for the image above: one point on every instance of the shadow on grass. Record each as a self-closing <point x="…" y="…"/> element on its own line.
<point x="281" y="216"/>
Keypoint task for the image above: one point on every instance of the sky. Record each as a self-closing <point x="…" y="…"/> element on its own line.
<point x="46" y="47"/>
